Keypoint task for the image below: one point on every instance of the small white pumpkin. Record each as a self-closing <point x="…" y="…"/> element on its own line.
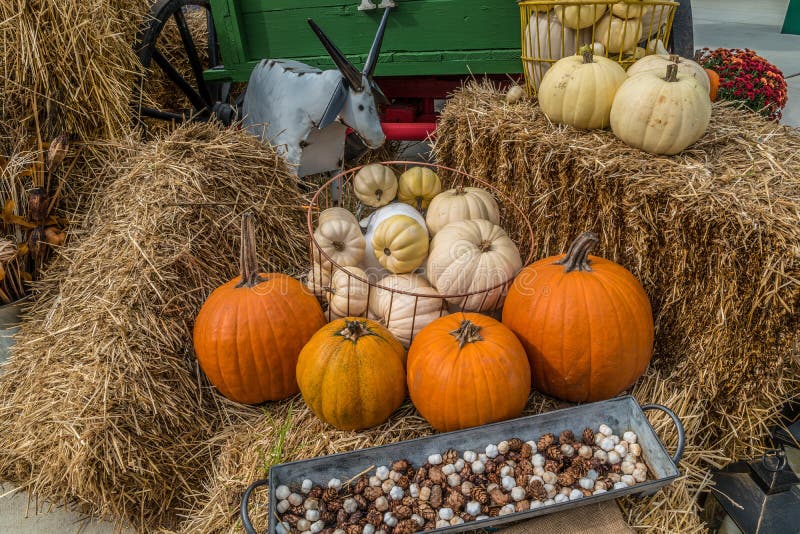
<point x="469" y="256"/>
<point x="579" y="16"/>
<point x="348" y="295"/>
<point x="405" y="315"/>
<point x="515" y="94"/>
<point x="375" y="185"/>
<point x="656" y="46"/>
<point x="618" y="35"/>
<point x="417" y="187"/>
<point x="371" y="265"/>
<point x="630" y="9"/>
<point x="655" y="19"/>
<point x="460" y="204"/>
<point x="400" y="243"/>
<point x="318" y="278"/>
<point x="341" y="240"/>
<point x="661" y="114"/>
<point x="336" y="213"/>
<point x="546" y="39"/>
<point x="579" y="90"/>
<point x="658" y="64"/>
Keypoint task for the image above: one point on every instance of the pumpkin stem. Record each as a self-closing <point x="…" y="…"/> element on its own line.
<point x="588" y="56"/>
<point x="378" y="194"/>
<point x="467" y="332"/>
<point x="355" y="329"/>
<point x="672" y="73"/>
<point x="485" y="246"/>
<point x="248" y="261"/>
<point x="577" y="258"/>
<point x="674" y="58"/>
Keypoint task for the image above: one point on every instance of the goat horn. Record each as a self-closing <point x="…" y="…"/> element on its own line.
<point x="374" y="52"/>
<point x="342" y="63"/>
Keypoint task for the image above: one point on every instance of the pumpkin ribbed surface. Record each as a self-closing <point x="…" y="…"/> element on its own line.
<point x="588" y="333"/>
<point x="466" y="370"/>
<point x="352" y="373"/>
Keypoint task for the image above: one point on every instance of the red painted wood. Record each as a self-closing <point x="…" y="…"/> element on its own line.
<point x="408" y="131"/>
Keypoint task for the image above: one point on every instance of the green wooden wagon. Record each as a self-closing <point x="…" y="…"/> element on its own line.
<point x="430" y="47"/>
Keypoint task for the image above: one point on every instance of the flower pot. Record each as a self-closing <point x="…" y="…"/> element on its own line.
<point x="9" y="324"/>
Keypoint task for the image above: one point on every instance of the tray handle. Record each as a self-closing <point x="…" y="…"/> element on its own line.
<point x="678" y="426"/>
<point x="245" y="513"/>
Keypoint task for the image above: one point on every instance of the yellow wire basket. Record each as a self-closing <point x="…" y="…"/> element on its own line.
<point x="622" y="30"/>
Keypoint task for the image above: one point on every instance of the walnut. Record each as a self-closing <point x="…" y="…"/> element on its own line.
<point x="545" y="441"/>
<point x="436" y="496"/>
<point x="400" y="466"/>
<point x="526" y="451"/>
<point x="427" y="513"/>
<point x="566" y="436"/>
<point x="498" y="497"/>
<point x="455" y="500"/>
<point x="536" y="490"/>
<point x="403" y="512"/>
<point x="588" y="436"/>
<point x="450" y="457"/>
<point x="436" y="476"/>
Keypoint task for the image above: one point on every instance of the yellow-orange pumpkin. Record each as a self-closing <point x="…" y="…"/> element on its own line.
<point x="465" y="370"/>
<point x="250" y="331"/>
<point x="352" y="373"/>
<point x="585" y="322"/>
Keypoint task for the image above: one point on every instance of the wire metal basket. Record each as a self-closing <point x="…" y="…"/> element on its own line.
<point x="622" y="30"/>
<point x="398" y="301"/>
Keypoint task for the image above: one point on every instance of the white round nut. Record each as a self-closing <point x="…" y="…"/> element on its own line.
<point x="538" y="460"/>
<point x="448" y="469"/>
<point x="538" y="471"/>
<point x="482" y="457"/>
<point x="506" y="471"/>
<point x="639" y="475"/>
<point x="614" y="457"/>
<point x="395" y="476"/>
<point x="548" y="502"/>
<point x="507" y="509"/>
<point x="615" y="439"/>
<point x="561" y="498"/>
<point x="591" y="473"/>
<point x="635" y="449"/>
<point x="508" y="483"/>
<point x="585" y="452"/>
<point x="424" y="494"/>
<point x="418" y="519"/>
<point x="282" y="528"/>
<point x="601" y="455"/>
<point x="295" y="499"/>
<point x="303" y="525"/>
<point x="312" y="515"/>
<point x="640" y="465"/>
<point x="459" y="465"/>
<point x="566" y="491"/>
<point x="536" y="504"/>
<point x="282" y="506"/>
<point x="282" y="492"/>
<point x="598" y="491"/>
<point x="533" y="445"/>
<point x="630" y="437"/>
<point x="374" y="481"/>
<point x="339" y="531"/>
<point x="627" y="468"/>
<point x="381" y="504"/>
<point x="619" y="449"/>
<point x="607" y="444"/>
<point x="369" y="528"/>
<point x="568" y="450"/>
<point x="470" y="456"/>
<point x="390" y="519"/>
<point x="435" y="459"/>
<point x="478" y="467"/>
<point x="599" y="485"/>
<point x="441" y="523"/>
<point x="396" y="493"/>
<point x="481" y="517"/>
<point x="551" y="490"/>
<point x="491" y="451"/>
<point x="446" y="513"/>
<point x="306" y="486"/>
<point x="628" y="480"/>
<point x="502" y="447"/>
<point x="586" y="483"/>
<point x="456" y="521"/>
<point x="382" y="473"/>
<point x="311" y="504"/>
<point x="413" y="490"/>
<point x="474" y="508"/>
<point x="335" y="483"/>
<point x="453" y="480"/>
<point x="605" y="429"/>
<point x="350" y="505"/>
<point x="598" y="438"/>
<point x="575" y="494"/>
<point x="466" y="488"/>
<point x="549" y="477"/>
<point x="387" y="485"/>
<point x="512" y="463"/>
<point x="518" y="494"/>
<point x="317" y="526"/>
<point x="620" y="485"/>
<point x="491" y="487"/>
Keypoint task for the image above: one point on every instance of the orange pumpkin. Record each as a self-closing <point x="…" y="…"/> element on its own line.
<point x="585" y="322"/>
<point x="250" y="330"/>
<point x="713" y="84"/>
<point x="352" y="373"/>
<point x="467" y="369"/>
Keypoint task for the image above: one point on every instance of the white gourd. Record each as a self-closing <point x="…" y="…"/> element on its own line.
<point x="579" y="16"/>
<point x="654" y="19"/>
<point x="631" y="9"/>
<point x="318" y="278"/>
<point x="336" y="213"/>
<point x="348" y="295"/>
<point x="341" y="240"/>
<point x="658" y="64"/>
<point x="469" y="256"/>
<point x="375" y="185"/>
<point x="546" y="39"/>
<point x="417" y="187"/>
<point x="618" y="35"/>
<point x="405" y="315"/>
<point x="459" y="204"/>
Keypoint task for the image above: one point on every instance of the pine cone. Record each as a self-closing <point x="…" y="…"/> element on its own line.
<point x="494" y="478"/>
<point x="361" y="485"/>
<point x="513" y="455"/>
<point x="566" y="436"/>
<point x="524" y="467"/>
<point x="494" y="512"/>
<point x="566" y="479"/>
<point x="545" y="441"/>
<point x="523" y="506"/>
<point x="374" y="517"/>
<point x="599" y="465"/>
<point x="353" y="529"/>
<point x="522" y="480"/>
<point x="372" y="492"/>
<point x="429" y="525"/>
<point x="480" y="495"/>
<point x="536" y="490"/>
<point x="455" y="500"/>
<point x="588" y="436"/>
<point x="330" y="494"/>
<point x="403" y="512"/>
<point x="342" y="517"/>
<point x="328" y="517"/>
<point x="498" y="497"/>
<point x="403" y="482"/>
<point x="450" y="457"/>
<point x="355" y="517"/>
<point x="334" y="506"/>
<point x="554" y="453"/>
<point x="552" y="466"/>
<point x="427" y="513"/>
<point x="436" y="476"/>
<point x="420" y="475"/>
<point x="490" y="466"/>
<point x="291" y="519"/>
<point x="408" y="500"/>
<point x="436" y="496"/>
<point x="515" y="444"/>
<point x="405" y="527"/>
<point x="361" y="501"/>
<point x="297" y="510"/>
<point x="581" y="466"/>
<point x="315" y="493"/>
<point x="526" y="451"/>
<point x="400" y="466"/>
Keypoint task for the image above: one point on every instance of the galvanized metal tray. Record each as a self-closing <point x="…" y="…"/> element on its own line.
<point x="621" y="413"/>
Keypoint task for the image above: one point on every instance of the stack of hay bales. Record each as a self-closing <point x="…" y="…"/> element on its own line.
<point x="712" y="234"/>
<point x="100" y="404"/>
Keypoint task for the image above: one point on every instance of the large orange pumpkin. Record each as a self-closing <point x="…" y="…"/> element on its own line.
<point x="352" y="373"/>
<point x="467" y="369"/>
<point x="250" y="331"/>
<point x="713" y="84"/>
<point x="585" y="322"/>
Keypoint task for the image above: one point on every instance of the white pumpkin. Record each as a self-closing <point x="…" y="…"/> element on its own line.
<point x="341" y="240"/>
<point x="546" y="39"/>
<point x="654" y="20"/>
<point x="580" y="16"/>
<point x="336" y="213"/>
<point x="318" y="279"/>
<point x="348" y="296"/>
<point x="371" y="265"/>
<point x="470" y="256"/>
<point x="405" y="315"/>
<point x="618" y="35"/>
<point x="630" y="9"/>
<point x="375" y="185"/>
<point x="658" y="64"/>
<point x="661" y="114"/>
<point x="579" y="90"/>
<point x="400" y="243"/>
<point x="417" y="187"/>
<point x="656" y="46"/>
<point x="460" y="204"/>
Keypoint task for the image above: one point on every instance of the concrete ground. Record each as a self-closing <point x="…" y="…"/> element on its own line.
<point x="718" y="23"/>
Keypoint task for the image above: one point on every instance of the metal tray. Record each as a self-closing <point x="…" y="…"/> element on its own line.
<point x="621" y="414"/>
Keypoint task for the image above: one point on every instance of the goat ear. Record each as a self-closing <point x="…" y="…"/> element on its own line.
<point x="335" y="105"/>
<point x="375" y="49"/>
<point x="380" y="98"/>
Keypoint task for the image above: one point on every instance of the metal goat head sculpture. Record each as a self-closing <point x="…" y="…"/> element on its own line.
<point x="305" y="112"/>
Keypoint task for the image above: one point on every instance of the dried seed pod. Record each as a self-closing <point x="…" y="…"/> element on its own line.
<point x="330" y="494"/>
<point x="515" y="444"/>
<point x="315" y="493"/>
<point x="400" y="466"/>
<point x="521" y="480"/>
<point x="588" y="436"/>
<point x="566" y="436"/>
<point x="374" y="517"/>
<point x="436" y="475"/>
<point x="406" y="527"/>
<point x="480" y="495"/>
<point x="436" y="496"/>
<point x="524" y="467"/>
<point x="372" y="493"/>
<point x="526" y="451"/>
<point x="567" y="478"/>
<point x="552" y="466"/>
<point x="498" y="497"/>
<point x="361" y="484"/>
<point x="427" y="513"/>
<point x="545" y="441"/>
<point x="494" y="478"/>
<point x="537" y="491"/>
<point x="334" y="506"/>
<point x="403" y="511"/>
<point x="403" y="482"/>
<point x="554" y="453"/>
<point x="36" y="241"/>
<point x="450" y="456"/>
<point x="420" y="475"/>
<point x="57" y="151"/>
<point x="297" y="510"/>
<point x="455" y="500"/>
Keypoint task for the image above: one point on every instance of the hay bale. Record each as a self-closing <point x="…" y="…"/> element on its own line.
<point x="711" y="233"/>
<point x="100" y="404"/>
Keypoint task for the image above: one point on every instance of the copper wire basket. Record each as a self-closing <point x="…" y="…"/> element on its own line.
<point x="338" y="191"/>
<point x="553" y="29"/>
